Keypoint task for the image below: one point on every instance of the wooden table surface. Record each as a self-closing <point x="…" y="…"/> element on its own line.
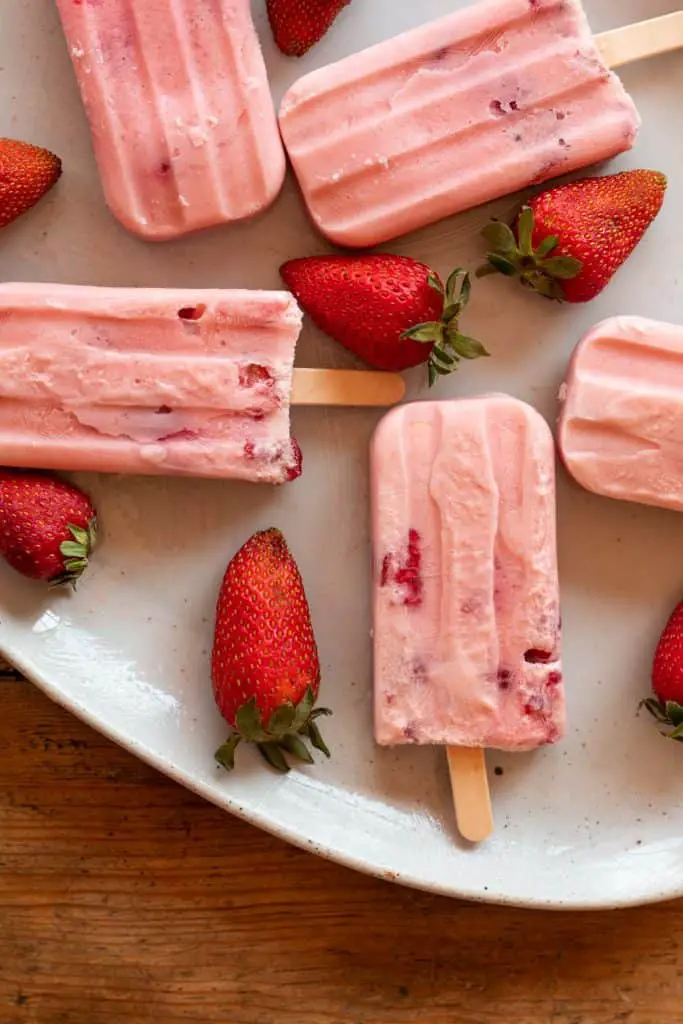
<point x="124" y="898"/>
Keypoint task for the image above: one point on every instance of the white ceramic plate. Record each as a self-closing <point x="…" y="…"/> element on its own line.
<point x="597" y="821"/>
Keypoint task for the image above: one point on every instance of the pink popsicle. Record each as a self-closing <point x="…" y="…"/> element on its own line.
<point x="621" y="425"/>
<point x="129" y="380"/>
<point x="180" y="111"/>
<point x="460" y="111"/>
<point x="466" y="596"/>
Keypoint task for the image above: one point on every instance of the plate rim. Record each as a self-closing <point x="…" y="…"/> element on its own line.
<point x="35" y="676"/>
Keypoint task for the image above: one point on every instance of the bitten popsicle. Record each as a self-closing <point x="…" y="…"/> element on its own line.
<point x="180" y="111"/>
<point x="486" y="101"/>
<point x="466" y="594"/>
<point x="620" y="430"/>
<point x="160" y="381"/>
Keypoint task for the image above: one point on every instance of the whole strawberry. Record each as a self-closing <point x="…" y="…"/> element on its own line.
<point x="299" y="24"/>
<point x="569" y="241"/>
<point x="48" y="527"/>
<point x="265" y="668"/>
<point x="26" y="174"/>
<point x="392" y="311"/>
<point x="667" y="677"/>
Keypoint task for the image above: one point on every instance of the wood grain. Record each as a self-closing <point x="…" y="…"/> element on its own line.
<point x="123" y="898"/>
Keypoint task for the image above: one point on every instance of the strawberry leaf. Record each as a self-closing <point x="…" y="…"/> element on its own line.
<point x="486" y="269"/>
<point x="451" y="312"/>
<point x="225" y="755"/>
<point x="304" y="710"/>
<point x="562" y="267"/>
<point x="432" y="375"/>
<point x="93" y="532"/>
<point x="429" y="332"/>
<point x="75" y="566"/>
<point x="465" y="290"/>
<point x="80" y="535"/>
<point x="273" y="755"/>
<point x="297" y="748"/>
<point x="546" y="246"/>
<point x="500" y="237"/>
<point x="460" y="295"/>
<point x="545" y="286"/>
<point x="656" y="709"/>
<point x="320" y="713"/>
<point x="70" y="549"/>
<point x="281" y="720"/>
<point x="674" y="713"/>
<point x="525" y="227"/>
<point x="468" y="348"/>
<point x="434" y="282"/>
<point x="445" y="358"/>
<point x="248" y="723"/>
<point x="502" y="264"/>
<point x="317" y="740"/>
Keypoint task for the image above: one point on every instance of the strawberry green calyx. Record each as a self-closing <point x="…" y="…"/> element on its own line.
<point x="76" y="552"/>
<point x="450" y="345"/>
<point x="669" y="713"/>
<point x="535" y="267"/>
<point x="287" y="733"/>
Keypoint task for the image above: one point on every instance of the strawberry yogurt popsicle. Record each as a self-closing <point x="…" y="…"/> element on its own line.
<point x="466" y="594"/>
<point x="150" y="381"/>
<point x="161" y="381"/>
<point x="620" y="430"/>
<point x="483" y="102"/>
<point x="467" y="612"/>
<point x="180" y="111"/>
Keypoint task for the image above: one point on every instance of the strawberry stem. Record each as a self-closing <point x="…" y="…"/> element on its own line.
<point x="669" y="713"/>
<point x="76" y="553"/>
<point x="516" y="257"/>
<point x="449" y="345"/>
<point x="288" y="729"/>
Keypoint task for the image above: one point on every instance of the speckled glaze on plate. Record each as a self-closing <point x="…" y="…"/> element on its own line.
<point x="596" y="821"/>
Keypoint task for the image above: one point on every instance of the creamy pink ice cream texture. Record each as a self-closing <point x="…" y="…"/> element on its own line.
<point x="620" y="430"/>
<point x="466" y="594"/>
<point x="180" y="111"/>
<point x="488" y="100"/>
<point x="159" y="381"/>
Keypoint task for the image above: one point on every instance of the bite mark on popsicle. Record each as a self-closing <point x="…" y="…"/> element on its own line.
<point x="291" y="458"/>
<point x="296" y="465"/>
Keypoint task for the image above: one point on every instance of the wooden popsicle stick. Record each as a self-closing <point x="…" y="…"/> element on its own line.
<point x="471" y="797"/>
<point x="646" y="39"/>
<point x="346" y="387"/>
